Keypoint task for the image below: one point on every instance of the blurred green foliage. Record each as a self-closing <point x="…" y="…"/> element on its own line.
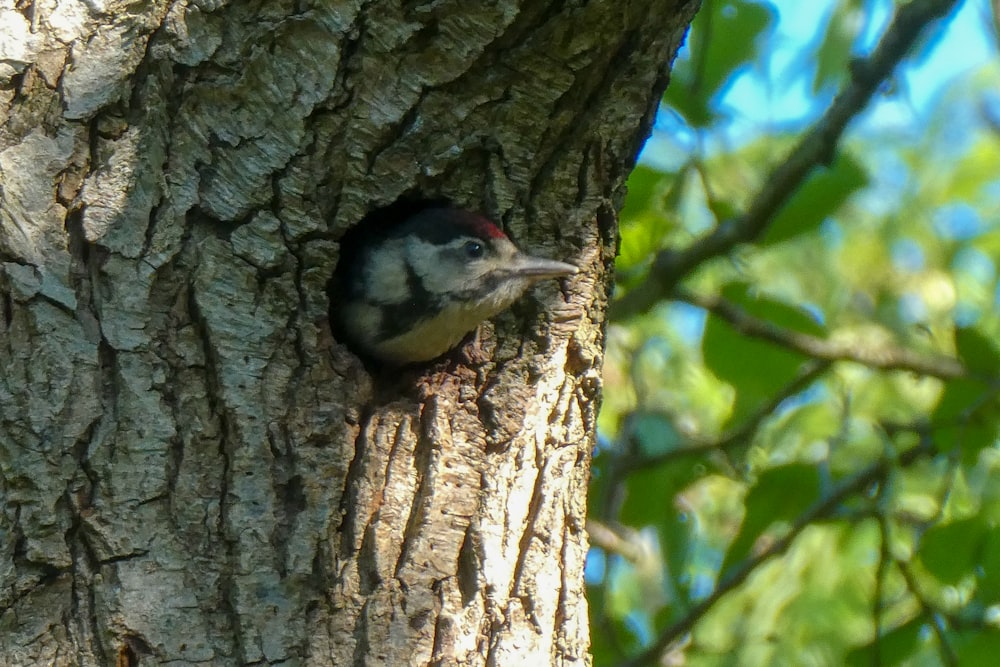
<point x="772" y="505"/>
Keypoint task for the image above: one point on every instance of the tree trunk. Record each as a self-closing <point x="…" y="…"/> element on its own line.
<point x="193" y="470"/>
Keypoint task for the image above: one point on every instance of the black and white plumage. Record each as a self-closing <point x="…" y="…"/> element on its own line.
<point x="412" y="291"/>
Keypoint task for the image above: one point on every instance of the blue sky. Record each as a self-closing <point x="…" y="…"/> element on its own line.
<point x="779" y="92"/>
<point x="964" y="45"/>
<point x="777" y="95"/>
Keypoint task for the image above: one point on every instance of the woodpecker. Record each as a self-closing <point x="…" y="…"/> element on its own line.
<point x="410" y="292"/>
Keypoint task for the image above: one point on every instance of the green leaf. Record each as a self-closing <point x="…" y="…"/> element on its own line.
<point x="977" y="351"/>
<point x="823" y="193"/>
<point x="723" y="38"/>
<point x="780" y="494"/>
<point x="988" y="589"/>
<point x="612" y="636"/>
<point x="644" y="238"/>
<point x="645" y="185"/>
<point x="755" y="368"/>
<point x="950" y="551"/>
<point x="966" y="417"/>
<point x="647" y="501"/>
<point x="976" y="648"/>
<point x="603" y="649"/>
<point x="645" y="220"/>
<point x="834" y="53"/>
<point x="959" y="399"/>
<point x="649" y="494"/>
<point x="599" y="488"/>
<point x="773" y="310"/>
<point x="892" y="648"/>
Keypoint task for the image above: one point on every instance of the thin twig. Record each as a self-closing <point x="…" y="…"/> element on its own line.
<point x="948" y="656"/>
<point x="884" y="357"/>
<point x="615" y="540"/>
<point x="809" y="373"/>
<point x="824" y="508"/>
<point x="884" y="559"/>
<point x="816" y="149"/>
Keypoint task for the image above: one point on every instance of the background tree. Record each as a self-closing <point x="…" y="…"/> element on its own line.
<point x="193" y="470"/>
<point x="799" y="461"/>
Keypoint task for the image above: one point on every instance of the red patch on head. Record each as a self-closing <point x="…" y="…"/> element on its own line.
<point x="481" y="226"/>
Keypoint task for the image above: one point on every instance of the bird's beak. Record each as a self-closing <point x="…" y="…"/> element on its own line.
<point x="537" y="268"/>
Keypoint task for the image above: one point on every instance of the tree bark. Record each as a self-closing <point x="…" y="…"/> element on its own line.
<point x="193" y="469"/>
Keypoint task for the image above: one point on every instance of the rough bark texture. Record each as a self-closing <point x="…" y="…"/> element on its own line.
<point x="193" y="470"/>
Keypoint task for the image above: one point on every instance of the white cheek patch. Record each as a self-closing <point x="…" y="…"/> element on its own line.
<point x="437" y="271"/>
<point x="386" y="274"/>
<point x="445" y="270"/>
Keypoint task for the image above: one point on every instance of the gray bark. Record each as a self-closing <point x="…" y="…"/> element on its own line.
<point x="192" y="469"/>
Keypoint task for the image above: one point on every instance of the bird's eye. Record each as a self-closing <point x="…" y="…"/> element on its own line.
<point x="473" y="249"/>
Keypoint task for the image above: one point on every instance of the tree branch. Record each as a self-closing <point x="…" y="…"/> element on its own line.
<point x="884" y="560"/>
<point x="824" y="508"/>
<point x="808" y="374"/>
<point x="817" y="148"/>
<point x="948" y="656"/>
<point x="618" y="540"/>
<point x="883" y="357"/>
